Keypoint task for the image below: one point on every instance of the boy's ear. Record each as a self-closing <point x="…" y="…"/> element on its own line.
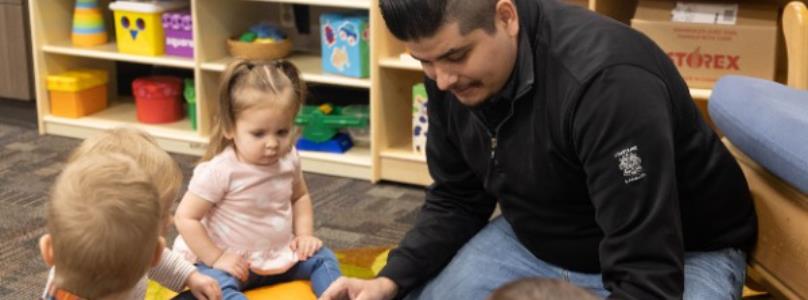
<point x="46" y="249"/>
<point x="161" y="244"/>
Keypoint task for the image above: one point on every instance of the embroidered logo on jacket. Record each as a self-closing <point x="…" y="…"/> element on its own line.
<point x="631" y="164"/>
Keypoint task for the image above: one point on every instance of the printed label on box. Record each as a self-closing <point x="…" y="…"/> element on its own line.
<point x="703" y="13"/>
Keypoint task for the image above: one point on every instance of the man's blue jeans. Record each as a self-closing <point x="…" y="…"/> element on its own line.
<point x="479" y="268"/>
<point x="321" y="269"/>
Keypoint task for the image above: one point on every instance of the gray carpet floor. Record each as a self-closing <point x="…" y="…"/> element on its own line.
<point x="348" y="213"/>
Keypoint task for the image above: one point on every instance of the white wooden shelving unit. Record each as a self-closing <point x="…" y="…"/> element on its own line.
<point x="389" y="156"/>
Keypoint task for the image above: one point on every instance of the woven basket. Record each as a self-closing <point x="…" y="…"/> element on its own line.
<point x="259" y="51"/>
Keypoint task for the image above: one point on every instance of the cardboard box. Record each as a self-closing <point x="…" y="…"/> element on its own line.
<point x="708" y="42"/>
<point x="345" y="44"/>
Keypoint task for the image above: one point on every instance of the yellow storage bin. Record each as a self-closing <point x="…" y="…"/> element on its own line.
<point x="78" y="93"/>
<point x="139" y="25"/>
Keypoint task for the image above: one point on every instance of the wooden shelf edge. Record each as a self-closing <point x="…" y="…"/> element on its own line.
<point x="397" y="63"/>
<point x="357" y="156"/>
<point x="109" y="52"/>
<point x="359" y="4"/>
<point x="336" y="169"/>
<point x="406" y="171"/>
<point x="185" y="143"/>
<point x="403" y="154"/>
<point x="310" y="69"/>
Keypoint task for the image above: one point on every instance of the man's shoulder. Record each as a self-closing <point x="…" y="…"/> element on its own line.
<point x="585" y="43"/>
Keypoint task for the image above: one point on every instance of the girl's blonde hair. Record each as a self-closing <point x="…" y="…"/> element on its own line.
<point x="243" y="76"/>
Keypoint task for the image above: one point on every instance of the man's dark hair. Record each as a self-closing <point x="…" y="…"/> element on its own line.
<point x="415" y="19"/>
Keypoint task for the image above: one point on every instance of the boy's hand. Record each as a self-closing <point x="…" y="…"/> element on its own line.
<point x="305" y="246"/>
<point x="204" y="287"/>
<point x="233" y="264"/>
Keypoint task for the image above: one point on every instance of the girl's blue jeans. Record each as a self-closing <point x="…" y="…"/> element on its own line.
<point x="321" y="269"/>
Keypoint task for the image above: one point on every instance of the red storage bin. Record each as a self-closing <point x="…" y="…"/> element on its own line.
<point x="157" y="99"/>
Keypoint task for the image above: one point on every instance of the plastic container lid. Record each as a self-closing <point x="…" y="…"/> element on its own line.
<point x="148" y="7"/>
<point x="153" y="87"/>
<point x="77" y="80"/>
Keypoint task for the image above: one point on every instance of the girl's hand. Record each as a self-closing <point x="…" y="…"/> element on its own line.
<point x="233" y="264"/>
<point x="305" y="246"/>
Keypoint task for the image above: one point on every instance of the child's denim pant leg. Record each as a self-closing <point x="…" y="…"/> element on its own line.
<point x="321" y="269"/>
<point x="231" y="287"/>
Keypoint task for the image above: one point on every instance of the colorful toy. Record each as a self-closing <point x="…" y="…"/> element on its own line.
<point x="78" y="93"/>
<point x="88" y="24"/>
<point x="157" y="99"/>
<point x="190" y="97"/>
<point x="178" y="27"/>
<point x="359" y="135"/>
<point x="345" y="44"/>
<point x="263" y="41"/>
<point x="420" y="123"/>
<point x="265" y="30"/>
<point x="338" y="144"/>
<point x="297" y="290"/>
<point x="364" y="263"/>
<point x="138" y="25"/>
<point x="321" y="126"/>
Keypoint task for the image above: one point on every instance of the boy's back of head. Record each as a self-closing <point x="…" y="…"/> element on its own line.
<point x="147" y="154"/>
<point x="541" y="289"/>
<point x="103" y="220"/>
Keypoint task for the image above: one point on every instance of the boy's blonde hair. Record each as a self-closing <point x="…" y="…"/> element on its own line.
<point x="141" y="147"/>
<point x="104" y="220"/>
<point x="541" y="289"/>
<point x="242" y="85"/>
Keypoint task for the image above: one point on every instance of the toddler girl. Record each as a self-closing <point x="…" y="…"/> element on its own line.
<point x="246" y="219"/>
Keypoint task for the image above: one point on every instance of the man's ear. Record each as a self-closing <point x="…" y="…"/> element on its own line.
<point x="158" y="252"/>
<point x="46" y="249"/>
<point x="507" y="16"/>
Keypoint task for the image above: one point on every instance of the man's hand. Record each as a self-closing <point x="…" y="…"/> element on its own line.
<point x="233" y="264"/>
<point x="344" y="288"/>
<point x="305" y="246"/>
<point x="204" y="287"/>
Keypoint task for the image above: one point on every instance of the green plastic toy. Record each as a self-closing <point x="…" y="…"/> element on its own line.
<point x="321" y="123"/>
<point x="190" y="96"/>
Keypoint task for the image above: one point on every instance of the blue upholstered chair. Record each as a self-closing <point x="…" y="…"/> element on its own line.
<point x="766" y="127"/>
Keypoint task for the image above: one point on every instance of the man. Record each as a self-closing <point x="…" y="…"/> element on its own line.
<point x="587" y="137"/>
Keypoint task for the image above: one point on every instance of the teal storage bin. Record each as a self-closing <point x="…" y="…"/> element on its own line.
<point x="345" y="44"/>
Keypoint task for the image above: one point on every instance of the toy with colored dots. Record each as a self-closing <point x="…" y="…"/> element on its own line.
<point x="261" y="41"/>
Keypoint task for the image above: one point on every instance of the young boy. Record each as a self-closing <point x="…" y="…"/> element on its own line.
<point x="541" y="289"/>
<point x="173" y="271"/>
<point x="103" y="222"/>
